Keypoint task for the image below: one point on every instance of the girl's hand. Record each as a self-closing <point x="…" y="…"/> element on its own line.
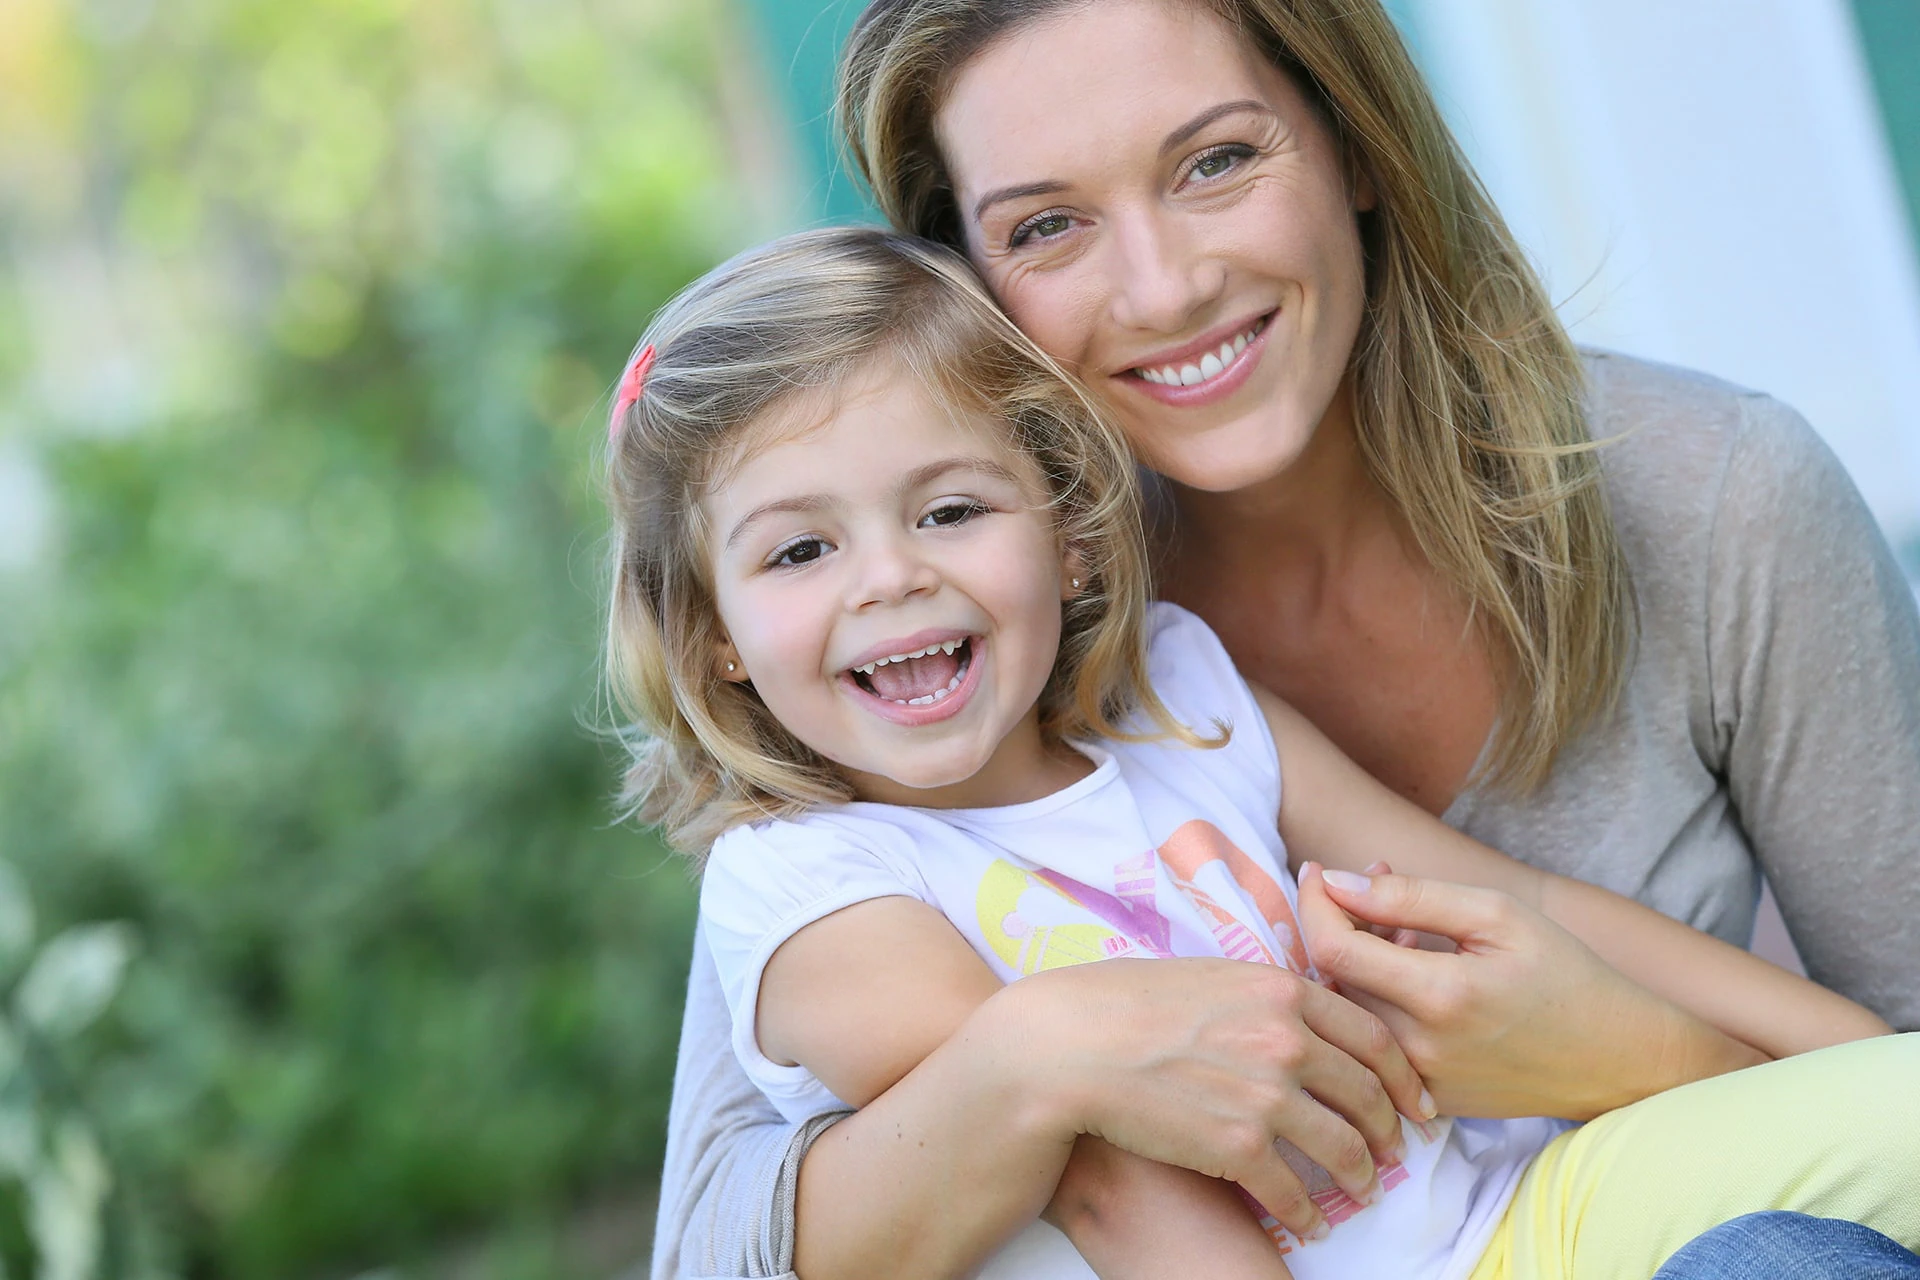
<point x="1205" y="1063"/>
<point x="1522" y="1019"/>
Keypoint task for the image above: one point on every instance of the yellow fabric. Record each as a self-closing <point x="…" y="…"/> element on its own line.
<point x="1834" y="1133"/>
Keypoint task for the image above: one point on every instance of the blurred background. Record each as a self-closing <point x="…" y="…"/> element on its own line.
<point x="319" y="953"/>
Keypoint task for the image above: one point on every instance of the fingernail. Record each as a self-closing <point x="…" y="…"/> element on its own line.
<point x="1376" y="868"/>
<point x="1427" y="1108"/>
<point x="1372" y="1194"/>
<point x="1320" y="1231"/>
<point x="1347" y="881"/>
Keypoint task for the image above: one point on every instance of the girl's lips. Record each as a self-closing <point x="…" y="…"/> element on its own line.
<point x="1214" y="390"/>
<point x="933" y="712"/>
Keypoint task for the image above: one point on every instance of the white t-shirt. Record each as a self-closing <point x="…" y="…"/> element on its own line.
<point x="1164" y="850"/>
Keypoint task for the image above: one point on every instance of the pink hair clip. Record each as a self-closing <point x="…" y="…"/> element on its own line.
<point x="631" y="388"/>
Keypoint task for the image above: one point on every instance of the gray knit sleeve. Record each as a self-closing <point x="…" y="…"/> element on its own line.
<point x="727" y="1191"/>
<point x="1814" y="653"/>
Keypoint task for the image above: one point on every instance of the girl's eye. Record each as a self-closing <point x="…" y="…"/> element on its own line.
<point x="949" y="514"/>
<point x="1043" y="225"/>
<point x="798" y="552"/>
<point x="1218" y="161"/>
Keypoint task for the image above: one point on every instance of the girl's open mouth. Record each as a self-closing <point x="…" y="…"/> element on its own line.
<point x="921" y="686"/>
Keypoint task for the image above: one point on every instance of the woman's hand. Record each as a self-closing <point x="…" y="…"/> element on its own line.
<point x="1521" y="1019"/>
<point x="1204" y="1063"/>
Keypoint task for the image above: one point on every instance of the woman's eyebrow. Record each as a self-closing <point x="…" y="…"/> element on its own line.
<point x="1179" y="136"/>
<point x="1186" y="131"/>
<point x="1016" y="193"/>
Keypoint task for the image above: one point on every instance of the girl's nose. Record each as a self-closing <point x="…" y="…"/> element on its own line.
<point x="890" y="572"/>
<point x="1160" y="280"/>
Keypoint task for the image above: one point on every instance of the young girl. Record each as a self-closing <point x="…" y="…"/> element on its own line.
<point x="880" y="610"/>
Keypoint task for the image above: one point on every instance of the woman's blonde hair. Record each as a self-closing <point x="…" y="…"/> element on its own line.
<point x="1469" y="392"/>
<point x="792" y="323"/>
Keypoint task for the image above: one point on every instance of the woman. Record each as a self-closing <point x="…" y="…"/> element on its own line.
<point x="1622" y="621"/>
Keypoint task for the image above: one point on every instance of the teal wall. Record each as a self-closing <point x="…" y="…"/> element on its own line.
<point x="1890" y="33"/>
<point x="803" y="39"/>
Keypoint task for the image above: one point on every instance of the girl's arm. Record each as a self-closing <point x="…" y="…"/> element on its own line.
<point x="962" y="1175"/>
<point x="1336" y="814"/>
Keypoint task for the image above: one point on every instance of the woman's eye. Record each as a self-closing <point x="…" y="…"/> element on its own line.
<point x="798" y="552"/>
<point x="1044" y="225"/>
<point x="1220" y="160"/>
<point x="948" y="514"/>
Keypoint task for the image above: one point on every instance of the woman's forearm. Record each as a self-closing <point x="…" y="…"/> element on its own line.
<point x="938" y="1172"/>
<point x="1777" y="1012"/>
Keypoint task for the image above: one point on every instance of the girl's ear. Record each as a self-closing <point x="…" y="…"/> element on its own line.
<point x="1073" y="573"/>
<point x="727" y="660"/>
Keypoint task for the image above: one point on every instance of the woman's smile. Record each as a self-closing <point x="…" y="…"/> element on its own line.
<point x="1205" y="371"/>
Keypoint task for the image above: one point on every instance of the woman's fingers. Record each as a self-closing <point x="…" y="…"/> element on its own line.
<point x="1370" y="1081"/>
<point x="1457" y="911"/>
<point x="1275" y="1187"/>
<point x="1353" y="957"/>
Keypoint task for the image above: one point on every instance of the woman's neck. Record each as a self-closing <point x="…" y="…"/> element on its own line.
<point x="1317" y="517"/>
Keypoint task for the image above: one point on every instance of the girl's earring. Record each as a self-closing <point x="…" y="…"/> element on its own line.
<point x="731" y="668"/>
<point x="1076" y="584"/>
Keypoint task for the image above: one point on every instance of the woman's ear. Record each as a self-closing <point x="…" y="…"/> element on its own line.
<point x="1073" y="573"/>
<point x="1365" y="198"/>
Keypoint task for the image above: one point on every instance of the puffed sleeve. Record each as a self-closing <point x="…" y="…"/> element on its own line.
<point x="767" y="882"/>
<point x="1815" y="686"/>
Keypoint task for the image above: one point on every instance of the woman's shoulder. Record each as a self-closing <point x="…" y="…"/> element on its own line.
<point x="1690" y="458"/>
<point x="1669" y="436"/>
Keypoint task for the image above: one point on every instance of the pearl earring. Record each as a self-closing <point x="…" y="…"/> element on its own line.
<point x="731" y="668"/>
<point x="1076" y="584"/>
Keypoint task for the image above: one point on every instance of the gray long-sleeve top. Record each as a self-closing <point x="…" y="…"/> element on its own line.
<point x="1771" y="724"/>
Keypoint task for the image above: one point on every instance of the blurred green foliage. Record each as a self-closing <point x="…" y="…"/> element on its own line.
<point x="308" y="313"/>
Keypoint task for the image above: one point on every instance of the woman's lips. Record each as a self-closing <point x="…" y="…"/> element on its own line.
<point x="1230" y="377"/>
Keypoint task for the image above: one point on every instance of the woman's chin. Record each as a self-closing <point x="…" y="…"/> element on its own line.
<point x="1236" y="467"/>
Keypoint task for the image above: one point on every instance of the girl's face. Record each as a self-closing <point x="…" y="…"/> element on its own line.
<point x="890" y="582"/>
<point x="1163" y="210"/>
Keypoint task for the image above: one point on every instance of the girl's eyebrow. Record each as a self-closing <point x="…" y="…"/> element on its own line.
<point x="802" y="503"/>
<point x="914" y="479"/>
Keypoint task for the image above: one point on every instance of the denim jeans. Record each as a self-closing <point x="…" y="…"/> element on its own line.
<point x="1771" y="1246"/>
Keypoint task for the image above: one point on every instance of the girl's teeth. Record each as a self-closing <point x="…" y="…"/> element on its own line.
<point x="930" y="698"/>
<point x="1210" y="367"/>
<point x="946" y="648"/>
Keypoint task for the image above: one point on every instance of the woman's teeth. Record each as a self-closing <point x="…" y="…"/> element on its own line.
<point x="927" y="652"/>
<point x="1211" y="365"/>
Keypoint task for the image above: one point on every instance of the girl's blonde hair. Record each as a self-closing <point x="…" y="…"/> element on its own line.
<point x="792" y="323"/>
<point x="1469" y="393"/>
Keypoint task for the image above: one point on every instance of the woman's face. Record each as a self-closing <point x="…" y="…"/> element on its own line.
<point x="1161" y="208"/>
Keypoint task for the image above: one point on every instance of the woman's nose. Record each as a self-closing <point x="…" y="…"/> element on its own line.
<point x="1160" y="280"/>
<point x="891" y="571"/>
